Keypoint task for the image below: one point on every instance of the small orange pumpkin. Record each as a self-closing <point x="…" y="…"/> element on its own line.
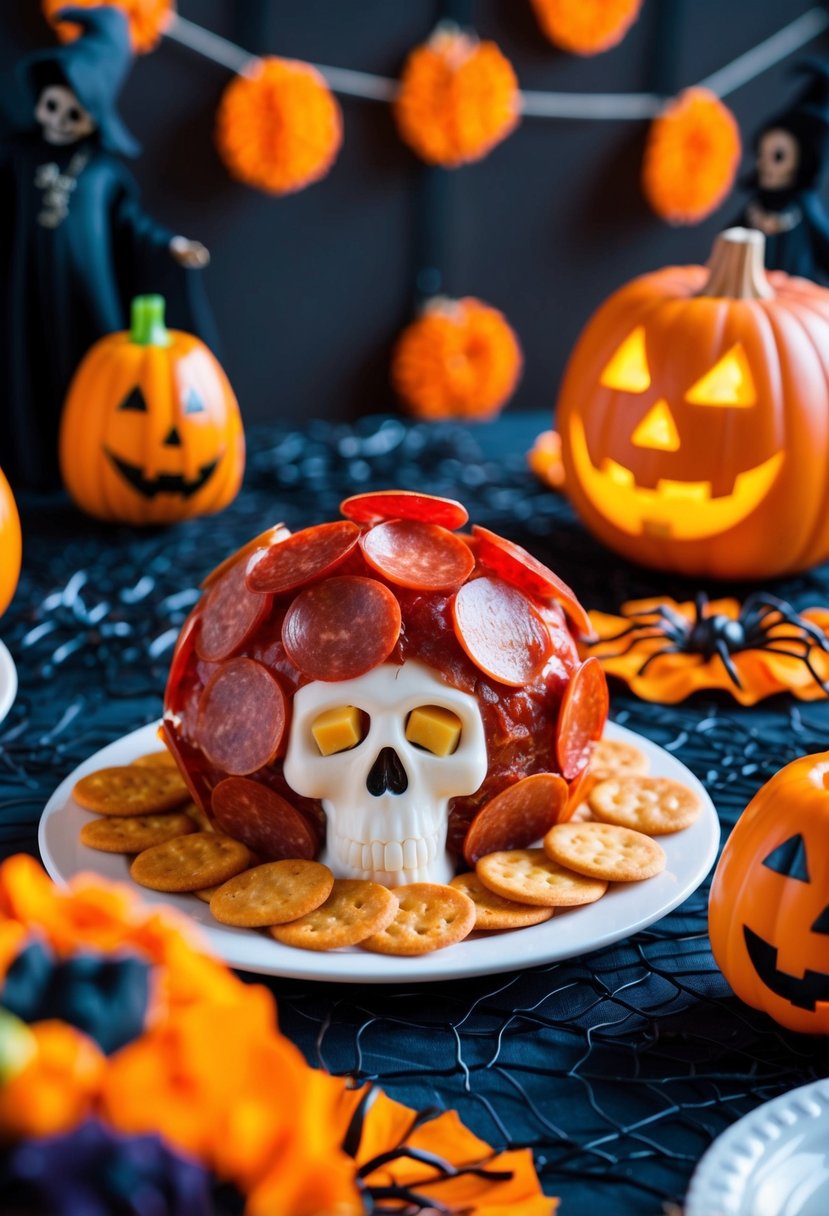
<point x="10" y="544"/>
<point x="151" y="431"/>
<point x="768" y="913"/>
<point x="694" y="418"/>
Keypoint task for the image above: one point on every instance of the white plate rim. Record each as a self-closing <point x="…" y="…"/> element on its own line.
<point x="718" y="1184"/>
<point x="515" y="950"/>
<point x="8" y="681"/>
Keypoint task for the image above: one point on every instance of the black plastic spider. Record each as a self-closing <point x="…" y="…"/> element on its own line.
<point x="710" y="634"/>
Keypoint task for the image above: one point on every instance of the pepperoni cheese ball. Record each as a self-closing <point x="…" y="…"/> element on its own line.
<point x="385" y="692"/>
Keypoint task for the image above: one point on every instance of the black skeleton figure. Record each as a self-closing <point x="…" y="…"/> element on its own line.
<point x="792" y="153"/>
<point x="75" y="244"/>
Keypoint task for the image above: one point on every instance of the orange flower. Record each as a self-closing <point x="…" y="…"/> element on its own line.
<point x="673" y="677"/>
<point x="460" y="359"/>
<point x="458" y="98"/>
<point x="279" y="128"/>
<point x="586" y="27"/>
<point x="148" y="19"/>
<point x="691" y="157"/>
<point x="57" y="1088"/>
<point x="545" y="461"/>
<point x="503" y="1184"/>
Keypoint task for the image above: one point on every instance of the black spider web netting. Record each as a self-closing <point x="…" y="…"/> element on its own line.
<point x="618" y="1068"/>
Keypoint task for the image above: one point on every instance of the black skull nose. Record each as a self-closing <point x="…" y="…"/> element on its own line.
<point x="387" y="774"/>
<point x="172" y="439"/>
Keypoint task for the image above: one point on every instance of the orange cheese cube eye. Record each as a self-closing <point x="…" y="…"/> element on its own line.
<point x="436" y="729"/>
<point x="337" y="730"/>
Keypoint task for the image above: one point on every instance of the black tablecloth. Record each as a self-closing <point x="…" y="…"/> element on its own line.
<point x="618" y="1068"/>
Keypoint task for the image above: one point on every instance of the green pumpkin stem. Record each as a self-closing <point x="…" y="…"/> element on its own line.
<point x="147" y="326"/>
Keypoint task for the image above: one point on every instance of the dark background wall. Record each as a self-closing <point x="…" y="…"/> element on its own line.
<point x="310" y="290"/>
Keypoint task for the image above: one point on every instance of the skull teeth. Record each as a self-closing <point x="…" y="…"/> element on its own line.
<point x="387" y="855"/>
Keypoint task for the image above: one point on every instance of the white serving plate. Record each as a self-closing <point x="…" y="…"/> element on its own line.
<point x="570" y="934"/>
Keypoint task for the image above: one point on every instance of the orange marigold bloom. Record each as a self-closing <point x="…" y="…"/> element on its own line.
<point x="57" y="1088"/>
<point x="458" y="98"/>
<point x="586" y="27"/>
<point x="279" y="127"/>
<point x="148" y="19"/>
<point x="460" y="359"/>
<point x="691" y="157"/>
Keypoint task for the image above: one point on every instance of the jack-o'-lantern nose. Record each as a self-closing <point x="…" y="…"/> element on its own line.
<point x="172" y="439"/>
<point x="657" y="429"/>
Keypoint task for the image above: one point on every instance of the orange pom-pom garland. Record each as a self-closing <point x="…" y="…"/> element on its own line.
<point x="460" y="359"/>
<point x="586" y="27"/>
<point x="279" y="127"/>
<point x="691" y="157"/>
<point x="458" y="98"/>
<point x="147" y="19"/>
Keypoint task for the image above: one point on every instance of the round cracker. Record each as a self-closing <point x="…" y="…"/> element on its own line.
<point x="354" y="910"/>
<point x="136" y="833"/>
<point x="429" y="917"/>
<point x="603" y="850"/>
<point x="131" y="790"/>
<point x="206" y="893"/>
<point x="656" y="805"/>
<point x="156" y="760"/>
<point x="201" y="819"/>
<point x="613" y="758"/>
<point x="189" y="863"/>
<point x="272" y="894"/>
<point x="530" y="876"/>
<point x="495" y="911"/>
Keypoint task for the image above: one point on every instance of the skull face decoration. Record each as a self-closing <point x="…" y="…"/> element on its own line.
<point x="63" y="120"/>
<point x="384" y="690"/>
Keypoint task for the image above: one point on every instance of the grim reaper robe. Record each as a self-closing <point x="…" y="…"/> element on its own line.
<point x="75" y="247"/>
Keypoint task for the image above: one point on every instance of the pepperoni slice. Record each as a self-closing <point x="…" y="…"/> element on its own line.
<point x="516" y="817"/>
<point x="242" y="717"/>
<point x="579" y="789"/>
<point x="404" y="504"/>
<point x="581" y="717"/>
<point x="520" y="568"/>
<point x="187" y="765"/>
<point x="262" y="820"/>
<point x="271" y="536"/>
<point x="341" y="628"/>
<point x="500" y="631"/>
<point x="231" y="614"/>
<point x="424" y="557"/>
<point x="309" y="554"/>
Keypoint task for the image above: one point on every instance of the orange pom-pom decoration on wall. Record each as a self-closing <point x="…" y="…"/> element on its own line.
<point x="691" y="157"/>
<point x="10" y="544"/>
<point x="279" y="127"/>
<point x="459" y="359"/>
<point x="586" y="27"/>
<point x="147" y="19"/>
<point x="458" y="98"/>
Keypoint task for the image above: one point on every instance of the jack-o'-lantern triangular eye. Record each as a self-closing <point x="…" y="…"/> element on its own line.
<point x="789" y="859"/>
<point x="628" y="370"/>
<point x="134" y="401"/>
<point x="728" y="383"/>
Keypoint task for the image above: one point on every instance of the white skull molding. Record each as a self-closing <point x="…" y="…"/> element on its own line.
<point x="386" y="799"/>
<point x="62" y="118"/>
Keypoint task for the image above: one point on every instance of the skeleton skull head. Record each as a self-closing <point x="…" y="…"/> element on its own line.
<point x="62" y="117"/>
<point x="386" y="798"/>
<point x="778" y="159"/>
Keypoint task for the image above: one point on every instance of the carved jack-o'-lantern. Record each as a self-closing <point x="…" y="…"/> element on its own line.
<point x="10" y="545"/>
<point x="694" y="418"/>
<point x="768" y="913"/>
<point x="151" y="431"/>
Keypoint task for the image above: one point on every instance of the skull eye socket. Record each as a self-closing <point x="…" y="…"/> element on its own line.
<point x="628" y="370"/>
<point x="435" y="729"/>
<point x="728" y="383"/>
<point x="789" y="859"/>
<point x="51" y="105"/>
<point x="339" y="729"/>
<point x="74" y="114"/>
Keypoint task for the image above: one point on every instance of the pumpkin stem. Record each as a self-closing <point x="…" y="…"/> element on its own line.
<point x="736" y="266"/>
<point x="147" y="326"/>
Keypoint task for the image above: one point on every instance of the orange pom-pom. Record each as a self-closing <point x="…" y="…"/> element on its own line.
<point x="279" y="128"/>
<point x="586" y="27"/>
<point x="148" y="19"/>
<point x="460" y="359"/>
<point x="458" y="98"/>
<point x="691" y="157"/>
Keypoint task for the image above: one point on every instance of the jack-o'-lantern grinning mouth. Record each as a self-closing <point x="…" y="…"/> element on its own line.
<point x="804" y="992"/>
<point x="683" y="510"/>
<point x="164" y="483"/>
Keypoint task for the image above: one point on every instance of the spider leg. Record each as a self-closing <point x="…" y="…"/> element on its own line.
<point x="662" y="612"/>
<point x="657" y="654"/>
<point x="642" y="636"/>
<point x="727" y="662"/>
<point x="803" y="658"/>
